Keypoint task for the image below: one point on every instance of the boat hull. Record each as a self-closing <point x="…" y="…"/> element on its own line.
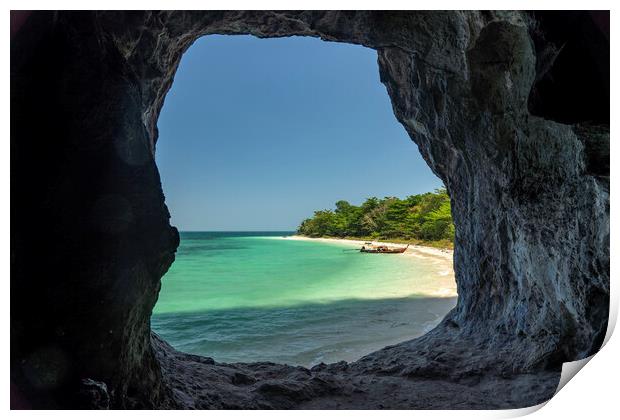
<point x="389" y="251"/>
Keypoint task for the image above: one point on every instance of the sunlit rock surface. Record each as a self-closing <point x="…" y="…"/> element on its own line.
<point x="91" y="237"/>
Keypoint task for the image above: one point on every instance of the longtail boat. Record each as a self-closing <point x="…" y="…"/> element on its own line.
<point x="383" y="249"/>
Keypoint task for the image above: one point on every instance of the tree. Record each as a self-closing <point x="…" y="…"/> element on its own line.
<point x="424" y="217"/>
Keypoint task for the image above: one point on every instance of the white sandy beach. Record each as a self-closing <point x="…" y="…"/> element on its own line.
<point x="420" y="250"/>
<point x="442" y="257"/>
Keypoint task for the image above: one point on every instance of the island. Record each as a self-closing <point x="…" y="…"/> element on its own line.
<point x="422" y="219"/>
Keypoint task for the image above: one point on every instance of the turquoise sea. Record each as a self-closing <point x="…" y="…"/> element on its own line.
<point x="257" y="296"/>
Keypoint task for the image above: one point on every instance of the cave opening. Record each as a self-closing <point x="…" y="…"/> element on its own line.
<point x="254" y="136"/>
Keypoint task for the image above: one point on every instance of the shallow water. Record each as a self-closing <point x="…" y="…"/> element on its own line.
<point x="254" y="297"/>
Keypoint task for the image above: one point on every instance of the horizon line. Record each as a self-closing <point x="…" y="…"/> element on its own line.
<point x="243" y="230"/>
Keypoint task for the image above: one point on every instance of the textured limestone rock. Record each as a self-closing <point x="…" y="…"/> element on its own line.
<point x="200" y="383"/>
<point x="94" y="395"/>
<point x="530" y="199"/>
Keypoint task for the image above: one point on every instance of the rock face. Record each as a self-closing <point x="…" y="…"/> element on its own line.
<point x="91" y="239"/>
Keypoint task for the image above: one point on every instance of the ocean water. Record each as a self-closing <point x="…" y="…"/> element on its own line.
<point x="256" y="296"/>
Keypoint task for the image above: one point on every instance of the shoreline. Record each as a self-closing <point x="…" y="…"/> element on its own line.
<point x="426" y="251"/>
<point x="446" y="283"/>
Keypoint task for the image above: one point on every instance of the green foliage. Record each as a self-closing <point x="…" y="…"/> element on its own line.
<point x="423" y="218"/>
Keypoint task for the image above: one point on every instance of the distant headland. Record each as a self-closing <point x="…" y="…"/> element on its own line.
<point x="423" y="219"/>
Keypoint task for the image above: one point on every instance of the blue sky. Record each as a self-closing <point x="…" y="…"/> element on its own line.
<point x="256" y="134"/>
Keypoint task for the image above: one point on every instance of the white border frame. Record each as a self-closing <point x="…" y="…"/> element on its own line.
<point x="592" y="394"/>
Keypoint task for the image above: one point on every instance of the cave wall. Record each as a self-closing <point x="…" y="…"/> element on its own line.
<point x="91" y="238"/>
